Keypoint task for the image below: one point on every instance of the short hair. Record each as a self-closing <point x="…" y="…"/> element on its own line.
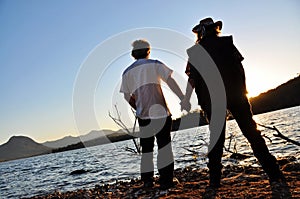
<point x="141" y="49"/>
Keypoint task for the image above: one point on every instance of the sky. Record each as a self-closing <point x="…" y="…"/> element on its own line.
<point x="44" y="44"/>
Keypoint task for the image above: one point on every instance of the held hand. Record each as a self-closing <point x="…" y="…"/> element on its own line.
<point x="132" y="102"/>
<point x="185" y="105"/>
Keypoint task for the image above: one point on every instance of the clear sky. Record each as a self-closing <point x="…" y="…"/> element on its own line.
<point x="44" y="43"/>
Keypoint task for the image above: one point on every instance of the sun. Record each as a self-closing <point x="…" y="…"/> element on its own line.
<point x="256" y="86"/>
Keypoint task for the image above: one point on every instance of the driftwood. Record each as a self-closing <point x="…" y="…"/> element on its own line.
<point x="280" y="135"/>
<point x="192" y="148"/>
<point x="234" y="153"/>
<point x="120" y="123"/>
<point x="237" y="155"/>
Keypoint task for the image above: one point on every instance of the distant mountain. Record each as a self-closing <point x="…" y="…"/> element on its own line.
<point x="69" y="140"/>
<point x="95" y="134"/>
<point x="62" y="142"/>
<point x="284" y="96"/>
<point x="21" y="147"/>
<point x="190" y="120"/>
<point x="114" y="137"/>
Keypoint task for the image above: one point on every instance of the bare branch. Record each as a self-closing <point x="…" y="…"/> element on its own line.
<point x="189" y="150"/>
<point x="267" y="138"/>
<point x="120" y="123"/>
<point x="130" y="150"/>
<point x="234" y="153"/>
<point x="280" y="135"/>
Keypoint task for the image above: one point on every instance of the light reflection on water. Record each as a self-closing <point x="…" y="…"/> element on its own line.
<point x="107" y="163"/>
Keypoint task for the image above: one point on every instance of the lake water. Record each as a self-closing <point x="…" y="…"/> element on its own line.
<point x="108" y="163"/>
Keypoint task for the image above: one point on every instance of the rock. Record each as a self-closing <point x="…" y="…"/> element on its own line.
<point x="291" y="167"/>
<point x="238" y="156"/>
<point x="78" y="172"/>
<point x="286" y="160"/>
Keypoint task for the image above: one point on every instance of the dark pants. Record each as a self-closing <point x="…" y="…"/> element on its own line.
<point x="159" y="128"/>
<point x="241" y="110"/>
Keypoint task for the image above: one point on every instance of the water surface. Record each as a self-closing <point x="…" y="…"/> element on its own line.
<point x="111" y="162"/>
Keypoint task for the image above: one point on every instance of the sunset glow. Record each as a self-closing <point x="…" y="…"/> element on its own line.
<point x="43" y="46"/>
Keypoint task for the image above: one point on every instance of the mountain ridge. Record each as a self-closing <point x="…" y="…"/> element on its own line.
<point x="68" y="140"/>
<point x="21" y="147"/>
<point x="283" y="96"/>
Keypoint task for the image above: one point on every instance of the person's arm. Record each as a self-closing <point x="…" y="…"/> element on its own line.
<point x="189" y="89"/>
<point x="130" y="99"/>
<point x="190" y="84"/>
<point x="185" y="103"/>
<point x="174" y="87"/>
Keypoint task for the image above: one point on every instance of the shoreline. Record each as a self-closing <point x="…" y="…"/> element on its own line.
<point x="237" y="182"/>
<point x="191" y="120"/>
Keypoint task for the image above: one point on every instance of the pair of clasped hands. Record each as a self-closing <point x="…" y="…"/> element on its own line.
<point x="185" y="104"/>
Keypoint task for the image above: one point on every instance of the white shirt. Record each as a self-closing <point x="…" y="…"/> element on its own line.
<point x="143" y="80"/>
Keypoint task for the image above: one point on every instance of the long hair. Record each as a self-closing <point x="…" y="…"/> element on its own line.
<point x="207" y="32"/>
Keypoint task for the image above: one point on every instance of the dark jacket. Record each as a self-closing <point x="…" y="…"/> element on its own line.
<point x="228" y="60"/>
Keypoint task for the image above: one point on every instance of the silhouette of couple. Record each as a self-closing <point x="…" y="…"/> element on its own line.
<point x="141" y="85"/>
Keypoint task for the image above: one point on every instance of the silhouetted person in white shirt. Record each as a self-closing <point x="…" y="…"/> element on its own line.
<point x="141" y="85"/>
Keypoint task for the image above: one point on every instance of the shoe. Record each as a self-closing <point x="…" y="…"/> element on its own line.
<point x="210" y="192"/>
<point x="148" y="185"/>
<point x="215" y="178"/>
<point x="166" y="186"/>
<point x="280" y="190"/>
<point x="215" y="183"/>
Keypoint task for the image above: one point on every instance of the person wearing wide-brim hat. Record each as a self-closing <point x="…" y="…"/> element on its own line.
<point x="228" y="60"/>
<point x="206" y="26"/>
<point x="207" y="23"/>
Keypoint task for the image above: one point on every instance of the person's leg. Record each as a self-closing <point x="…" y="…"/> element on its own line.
<point x="215" y="152"/>
<point x="147" y="144"/>
<point x="165" y="159"/>
<point x="241" y="111"/>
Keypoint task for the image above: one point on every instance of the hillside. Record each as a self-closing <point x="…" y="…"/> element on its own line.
<point x="114" y="137"/>
<point x="70" y="140"/>
<point x="65" y="141"/>
<point x="20" y="147"/>
<point x="193" y="119"/>
<point x="284" y="96"/>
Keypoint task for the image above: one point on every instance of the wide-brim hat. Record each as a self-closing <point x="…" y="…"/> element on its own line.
<point x="207" y="23"/>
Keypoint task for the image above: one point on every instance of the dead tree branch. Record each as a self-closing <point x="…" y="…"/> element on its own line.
<point x="234" y="153"/>
<point x="280" y="135"/>
<point x="120" y="123"/>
